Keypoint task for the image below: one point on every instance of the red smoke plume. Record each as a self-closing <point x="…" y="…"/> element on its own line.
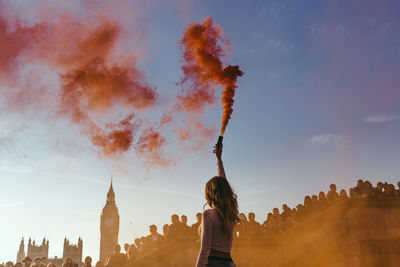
<point x="203" y="69"/>
<point x="93" y="88"/>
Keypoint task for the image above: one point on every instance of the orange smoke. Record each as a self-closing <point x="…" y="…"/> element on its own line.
<point x="97" y="87"/>
<point x="93" y="88"/>
<point x="14" y="43"/>
<point x="150" y="144"/>
<point x="119" y="139"/>
<point x="229" y="76"/>
<point x="203" y="69"/>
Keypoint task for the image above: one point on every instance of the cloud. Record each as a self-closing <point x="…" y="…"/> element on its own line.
<point x="381" y="118"/>
<point x="328" y="138"/>
<point x="97" y="181"/>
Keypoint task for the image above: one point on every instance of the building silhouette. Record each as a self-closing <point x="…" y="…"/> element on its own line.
<point x="21" y="251"/>
<point x="35" y="250"/>
<point x="73" y="251"/>
<point x="109" y="226"/>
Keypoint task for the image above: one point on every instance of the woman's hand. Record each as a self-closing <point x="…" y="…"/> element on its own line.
<point x="218" y="151"/>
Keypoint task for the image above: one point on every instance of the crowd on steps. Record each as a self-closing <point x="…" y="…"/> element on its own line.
<point x="276" y="222"/>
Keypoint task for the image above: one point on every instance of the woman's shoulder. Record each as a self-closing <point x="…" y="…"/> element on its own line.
<point x="210" y="212"/>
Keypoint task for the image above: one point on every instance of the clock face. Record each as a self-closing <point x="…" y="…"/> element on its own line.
<point x="109" y="222"/>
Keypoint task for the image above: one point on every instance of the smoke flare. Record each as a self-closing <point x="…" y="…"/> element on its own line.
<point x="203" y="69"/>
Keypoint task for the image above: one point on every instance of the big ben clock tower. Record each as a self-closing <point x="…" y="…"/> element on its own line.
<point x="109" y="226"/>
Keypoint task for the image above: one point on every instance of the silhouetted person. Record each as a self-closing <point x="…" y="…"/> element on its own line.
<point x="44" y="261"/>
<point x="398" y="191"/>
<point x="99" y="264"/>
<point x="270" y="225"/>
<point x="368" y="190"/>
<point x="299" y="216"/>
<point x="315" y="203"/>
<point x="37" y="262"/>
<point x="379" y="189"/>
<point x="165" y="229"/>
<point x="332" y="195"/>
<point x="322" y="201"/>
<point x="351" y="192"/>
<point x="343" y="195"/>
<point x="27" y="262"/>
<point x="241" y="228"/>
<point x="9" y="264"/>
<point x="185" y="228"/>
<point x="359" y="189"/>
<point x="118" y="259"/>
<point x="139" y="246"/>
<point x="308" y="207"/>
<point x="68" y="262"/>
<point x="286" y="212"/>
<point x="217" y="226"/>
<point x="126" y="248"/>
<point x="277" y="218"/>
<point x="132" y="254"/>
<point x="153" y="241"/>
<point x="175" y="229"/>
<point x="88" y="261"/>
<point x="390" y="191"/>
<point x="195" y="227"/>
<point x="253" y="227"/>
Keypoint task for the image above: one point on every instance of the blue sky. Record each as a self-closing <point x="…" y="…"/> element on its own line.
<point x="318" y="104"/>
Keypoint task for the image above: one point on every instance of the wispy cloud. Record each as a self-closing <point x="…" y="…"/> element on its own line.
<point x="97" y="181"/>
<point x="381" y="118"/>
<point x="328" y="138"/>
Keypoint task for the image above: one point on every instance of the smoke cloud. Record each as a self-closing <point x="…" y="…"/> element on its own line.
<point x="203" y="69"/>
<point x="103" y="92"/>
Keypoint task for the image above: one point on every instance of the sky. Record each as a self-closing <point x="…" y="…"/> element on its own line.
<point x="318" y="104"/>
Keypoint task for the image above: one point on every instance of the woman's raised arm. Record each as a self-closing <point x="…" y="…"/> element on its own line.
<point x="218" y="154"/>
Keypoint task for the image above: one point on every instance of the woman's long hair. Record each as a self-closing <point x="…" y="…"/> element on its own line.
<point x="220" y="196"/>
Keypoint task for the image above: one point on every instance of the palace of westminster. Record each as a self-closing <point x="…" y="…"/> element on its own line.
<point x="109" y="227"/>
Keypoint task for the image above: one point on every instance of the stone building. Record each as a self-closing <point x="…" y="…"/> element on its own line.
<point x="109" y="226"/>
<point x="21" y="251"/>
<point x="73" y="251"/>
<point x="35" y="250"/>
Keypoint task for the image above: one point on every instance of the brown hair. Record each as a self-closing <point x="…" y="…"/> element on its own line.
<point x="220" y="196"/>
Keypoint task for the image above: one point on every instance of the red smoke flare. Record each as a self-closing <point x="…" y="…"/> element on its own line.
<point x="203" y="69"/>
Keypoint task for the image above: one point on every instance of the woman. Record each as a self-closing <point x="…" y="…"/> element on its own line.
<point x="218" y="222"/>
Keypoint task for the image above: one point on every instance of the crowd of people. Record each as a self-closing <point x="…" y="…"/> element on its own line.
<point x="44" y="262"/>
<point x="276" y="222"/>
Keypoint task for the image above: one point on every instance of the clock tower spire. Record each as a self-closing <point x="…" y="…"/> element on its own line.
<point x="109" y="226"/>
